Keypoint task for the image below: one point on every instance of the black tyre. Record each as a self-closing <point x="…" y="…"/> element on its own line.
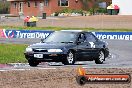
<point x="33" y="63"/>
<point x="70" y="59"/>
<point x="81" y="80"/>
<point x="100" y="58"/>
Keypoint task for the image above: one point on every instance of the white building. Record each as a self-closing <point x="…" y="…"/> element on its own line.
<point x="124" y="5"/>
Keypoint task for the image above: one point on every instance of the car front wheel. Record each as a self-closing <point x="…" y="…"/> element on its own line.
<point x="70" y="59"/>
<point x="33" y="63"/>
<point x="100" y="58"/>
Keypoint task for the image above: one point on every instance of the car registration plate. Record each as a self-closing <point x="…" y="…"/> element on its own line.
<point x="38" y="55"/>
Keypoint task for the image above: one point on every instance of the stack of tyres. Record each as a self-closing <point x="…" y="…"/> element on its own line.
<point x="109" y="11"/>
<point x="32" y="24"/>
<point x="28" y="24"/>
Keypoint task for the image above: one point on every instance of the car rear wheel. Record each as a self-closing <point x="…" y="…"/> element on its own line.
<point x="33" y="63"/>
<point x="70" y="59"/>
<point x="101" y="58"/>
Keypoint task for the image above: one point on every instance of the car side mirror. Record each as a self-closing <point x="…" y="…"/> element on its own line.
<point x="78" y="42"/>
<point x="42" y="40"/>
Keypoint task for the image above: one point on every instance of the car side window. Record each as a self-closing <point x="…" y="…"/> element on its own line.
<point x="90" y="37"/>
<point x="81" y="37"/>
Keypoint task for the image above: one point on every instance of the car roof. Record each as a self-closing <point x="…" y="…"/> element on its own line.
<point x="75" y="31"/>
<point x="72" y="30"/>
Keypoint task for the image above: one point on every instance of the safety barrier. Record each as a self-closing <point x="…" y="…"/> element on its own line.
<point x="24" y="33"/>
<point x="45" y="33"/>
<point x="114" y="35"/>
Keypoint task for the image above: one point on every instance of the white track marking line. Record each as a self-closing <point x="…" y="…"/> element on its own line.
<point x="3" y="70"/>
<point x="46" y="68"/>
<point x="20" y="69"/>
<point x="26" y="69"/>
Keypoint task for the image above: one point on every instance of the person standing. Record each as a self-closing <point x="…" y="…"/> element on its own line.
<point x="26" y="21"/>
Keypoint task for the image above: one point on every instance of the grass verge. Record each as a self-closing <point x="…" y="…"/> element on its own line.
<point x="12" y="53"/>
<point x="62" y="28"/>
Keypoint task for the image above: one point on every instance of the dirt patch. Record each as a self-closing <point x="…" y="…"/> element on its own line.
<point x="57" y="78"/>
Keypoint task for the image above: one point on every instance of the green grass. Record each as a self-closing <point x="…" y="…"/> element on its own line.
<point x="12" y="53"/>
<point x="61" y="28"/>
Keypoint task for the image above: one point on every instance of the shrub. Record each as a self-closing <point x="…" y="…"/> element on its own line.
<point x="77" y="11"/>
<point x="101" y="10"/>
<point x="56" y="14"/>
<point x="65" y="10"/>
<point x="91" y="11"/>
<point x="4" y="7"/>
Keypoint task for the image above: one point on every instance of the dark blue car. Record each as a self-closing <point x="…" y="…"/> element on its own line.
<point x="68" y="47"/>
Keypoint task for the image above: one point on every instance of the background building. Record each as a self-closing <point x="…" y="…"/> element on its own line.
<point x="37" y="7"/>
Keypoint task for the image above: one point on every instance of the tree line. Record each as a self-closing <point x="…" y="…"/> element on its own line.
<point x="4" y="7"/>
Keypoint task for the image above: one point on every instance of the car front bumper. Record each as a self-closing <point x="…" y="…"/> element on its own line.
<point x="48" y="57"/>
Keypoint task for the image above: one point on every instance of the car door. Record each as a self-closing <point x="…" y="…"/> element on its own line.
<point x="82" y="47"/>
<point x="94" y="45"/>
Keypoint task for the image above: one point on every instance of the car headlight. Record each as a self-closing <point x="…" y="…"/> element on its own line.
<point x="55" y="50"/>
<point x="29" y="49"/>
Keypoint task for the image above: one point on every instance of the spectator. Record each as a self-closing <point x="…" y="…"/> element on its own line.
<point x="33" y="21"/>
<point x="26" y="21"/>
<point x="33" y="18"/>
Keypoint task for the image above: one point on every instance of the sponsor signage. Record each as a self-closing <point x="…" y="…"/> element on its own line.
<point x="84" y="78"/>
<point x="44" y="34"/>
<point x="24" y="33"/>
<point x="114" y="35"/>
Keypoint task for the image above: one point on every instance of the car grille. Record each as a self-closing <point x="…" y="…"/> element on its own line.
<point x="40" y="50"/>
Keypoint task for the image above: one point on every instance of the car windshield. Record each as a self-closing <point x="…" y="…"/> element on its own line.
<point x="61" y="37"/>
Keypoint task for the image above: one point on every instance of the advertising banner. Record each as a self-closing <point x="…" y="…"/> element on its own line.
<point x="45" y="33"/>
<point x="24" y="33"/>
<point x="114" y="35"/>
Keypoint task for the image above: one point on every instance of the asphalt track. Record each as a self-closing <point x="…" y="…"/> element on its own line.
<point x="120" y="56"/>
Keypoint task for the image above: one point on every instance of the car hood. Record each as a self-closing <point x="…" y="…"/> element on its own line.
<point x="51" y="45"/>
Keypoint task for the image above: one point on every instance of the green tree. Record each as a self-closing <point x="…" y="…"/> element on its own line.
<point x="4" y="7"/>
<point x="85" y="4"/>
<point x="94" y="6"/>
